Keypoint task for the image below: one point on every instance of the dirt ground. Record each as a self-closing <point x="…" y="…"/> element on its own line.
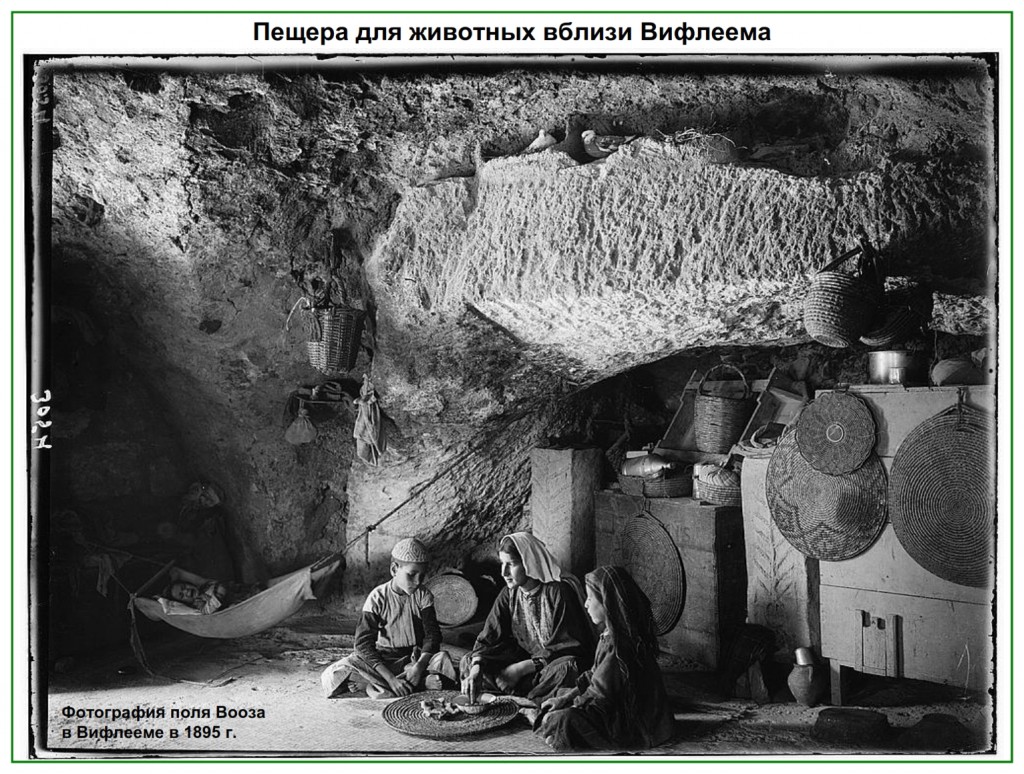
<point x="259" y="696"/>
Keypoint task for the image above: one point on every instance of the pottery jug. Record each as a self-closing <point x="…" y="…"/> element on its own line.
<point x="807" y="680"/>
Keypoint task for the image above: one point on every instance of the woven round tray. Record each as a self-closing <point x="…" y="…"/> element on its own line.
<point x="647" y="551"/>
<point x="407" y="716"/>
<point x="824" y="516"/>
<point x="835" y="433"/>
<point x="942" y="495"/>
<point x="455" y="599"/>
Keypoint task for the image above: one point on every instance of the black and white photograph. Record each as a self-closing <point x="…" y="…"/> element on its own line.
<point x="551" y="405"/>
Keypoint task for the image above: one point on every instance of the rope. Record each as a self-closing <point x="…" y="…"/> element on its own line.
<point x="301" y="299"/>
<point x="363" y="536"/>
<point x="93" y="544"/>
<point x="140" y="654"/>
<point x="417" y="491"/>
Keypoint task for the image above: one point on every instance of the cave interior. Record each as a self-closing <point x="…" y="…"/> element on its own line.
<point x="510" y="298"/>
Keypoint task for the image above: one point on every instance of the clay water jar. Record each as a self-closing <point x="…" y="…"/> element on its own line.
<point x="807" y="681"/>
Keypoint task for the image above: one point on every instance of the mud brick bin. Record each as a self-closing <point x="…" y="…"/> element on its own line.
<point x="709" y="539"/>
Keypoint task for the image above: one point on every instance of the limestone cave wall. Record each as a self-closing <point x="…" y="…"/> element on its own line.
<point x="508" y="294"/>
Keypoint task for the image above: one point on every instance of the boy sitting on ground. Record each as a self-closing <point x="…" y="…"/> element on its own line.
<point x="398" y="640"/>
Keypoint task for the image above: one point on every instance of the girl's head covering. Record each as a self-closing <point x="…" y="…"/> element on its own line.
<point x="627" y="610"/>
<point x="537" y="560"/>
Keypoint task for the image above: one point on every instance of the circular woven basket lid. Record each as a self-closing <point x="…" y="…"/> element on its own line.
<point x="942" y="495"/>
<point x="647" y="550"/>
<point x="836" y="432"/>
<point x="825" y="516"/>
<point x="455" y="600"/>
<point x="407" y="716"/>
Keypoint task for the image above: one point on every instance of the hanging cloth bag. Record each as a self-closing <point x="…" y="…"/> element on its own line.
<point x="302" y="430"/>
<point x="369" y="429"/>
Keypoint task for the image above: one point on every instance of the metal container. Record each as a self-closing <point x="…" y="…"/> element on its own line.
<point x="804" y="656"/>
<point x="892" y="366"/>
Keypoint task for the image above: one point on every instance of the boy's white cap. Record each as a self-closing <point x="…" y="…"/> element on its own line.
<point x="410" y="550"/>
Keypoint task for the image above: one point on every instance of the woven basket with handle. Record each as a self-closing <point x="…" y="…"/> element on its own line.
<point x="839" y="307"/>
<point x="335" y="333"/>
<point x="718" y="420"/>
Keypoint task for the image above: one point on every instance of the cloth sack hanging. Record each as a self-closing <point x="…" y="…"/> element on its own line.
<point x="302" y="430"/>
<point x="371" y="441"/>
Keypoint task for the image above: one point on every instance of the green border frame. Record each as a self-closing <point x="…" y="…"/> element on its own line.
<point x="517" y="760"/>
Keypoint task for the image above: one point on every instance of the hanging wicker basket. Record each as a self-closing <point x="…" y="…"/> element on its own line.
<point x="335" y="333"/>
<point x="718" y="420"/>
<point x="840" y="308"/>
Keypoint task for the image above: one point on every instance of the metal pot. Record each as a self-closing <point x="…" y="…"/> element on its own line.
<point x="892" y="366"/>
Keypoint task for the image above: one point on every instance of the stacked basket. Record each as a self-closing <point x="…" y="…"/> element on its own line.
<point x="674" y="483"/>
<point x="717" y="485"/>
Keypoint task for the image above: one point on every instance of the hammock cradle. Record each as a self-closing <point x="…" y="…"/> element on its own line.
<point x="283" y="596"/>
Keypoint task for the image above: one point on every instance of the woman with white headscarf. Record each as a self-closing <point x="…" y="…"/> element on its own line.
<point x="536" y="638"/>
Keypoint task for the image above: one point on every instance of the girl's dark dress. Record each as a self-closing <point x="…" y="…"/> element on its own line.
<point x="621" y="701"/>
<point x="598" y="718"/>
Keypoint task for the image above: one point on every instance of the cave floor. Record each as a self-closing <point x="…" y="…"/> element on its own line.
<point x="275" y="676"/>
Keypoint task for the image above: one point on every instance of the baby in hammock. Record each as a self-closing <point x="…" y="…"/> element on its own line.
<point x="204" y="595"/>
<point x="207" y="598"/>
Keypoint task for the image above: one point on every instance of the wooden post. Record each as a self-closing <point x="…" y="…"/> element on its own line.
<point x="835" y="671"/>
<point x="563" y="482"/>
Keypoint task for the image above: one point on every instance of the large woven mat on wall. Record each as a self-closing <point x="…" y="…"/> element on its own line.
<point x="648" y="551"/>
<point x="825" y="516"/>
<point x="942" y="495"/>
<point x="836" y="432"/>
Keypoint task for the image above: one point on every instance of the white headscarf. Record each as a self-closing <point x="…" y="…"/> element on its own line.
<point x="537" y="560"/>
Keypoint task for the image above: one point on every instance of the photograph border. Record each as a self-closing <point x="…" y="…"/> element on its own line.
<point x="19" y="405"/>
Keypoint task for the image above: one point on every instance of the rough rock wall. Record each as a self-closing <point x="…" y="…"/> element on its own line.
<point x="658" y="249"/>
<point x="200" y="206"/>
<point x="189" y="252"/>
